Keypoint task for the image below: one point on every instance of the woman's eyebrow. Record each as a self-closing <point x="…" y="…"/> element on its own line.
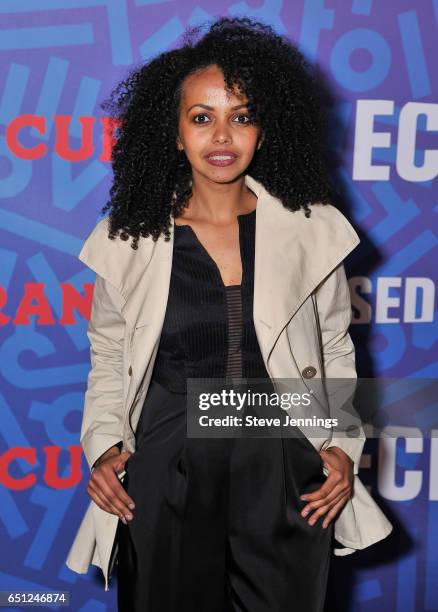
<point x="212" y="107"/>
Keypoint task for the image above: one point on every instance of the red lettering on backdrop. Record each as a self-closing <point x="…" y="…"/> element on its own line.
<point x="110" y="124"/>
<point x="34" y="291"/>
<point x="51" y="467"/>
<point x="72" y="299"/>
<point x="17" y="484"/>
<point x="13" y="129"/>
<point x="4" y="318"/>
<point x="62" y="146"/>
<point x="51" y="473"/>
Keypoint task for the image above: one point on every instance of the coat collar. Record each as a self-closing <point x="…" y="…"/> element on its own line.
<point x="293" y="254"/>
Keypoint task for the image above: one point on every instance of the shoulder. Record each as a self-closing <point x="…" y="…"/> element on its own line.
<point x="98" y="245"/>
<point x="113" y="259"/>
<point x="326" y="227"/>
<point x="329" y="217"/>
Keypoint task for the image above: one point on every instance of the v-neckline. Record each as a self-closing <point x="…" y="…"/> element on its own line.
<point x="210" y="258"/>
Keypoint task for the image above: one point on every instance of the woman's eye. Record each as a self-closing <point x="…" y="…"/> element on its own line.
<point x="200" y="115"/>
<point x="237" y="117"/>
<point x="245" y="117"/>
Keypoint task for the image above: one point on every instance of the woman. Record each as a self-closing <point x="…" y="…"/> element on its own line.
<point x="219" y="150"/>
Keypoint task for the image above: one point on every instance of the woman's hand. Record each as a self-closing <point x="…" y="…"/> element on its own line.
<point x="105" y="488"/>
<point x="335" y="491"/>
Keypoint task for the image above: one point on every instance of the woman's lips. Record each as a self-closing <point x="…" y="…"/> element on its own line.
<point x="221" y="159"/>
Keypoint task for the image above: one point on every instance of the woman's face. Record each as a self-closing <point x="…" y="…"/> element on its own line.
<point x="211" y="120"/>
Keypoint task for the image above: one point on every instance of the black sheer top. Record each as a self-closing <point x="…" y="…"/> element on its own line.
<point x="208" y="329"/>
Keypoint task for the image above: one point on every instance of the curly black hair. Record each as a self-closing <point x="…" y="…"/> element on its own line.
<point x="152" y="178"/>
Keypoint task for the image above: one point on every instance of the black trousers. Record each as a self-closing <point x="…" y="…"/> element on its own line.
<point x="217" y="524"/>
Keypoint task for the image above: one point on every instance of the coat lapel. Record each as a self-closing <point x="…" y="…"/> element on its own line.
<point x="293" y="254"/>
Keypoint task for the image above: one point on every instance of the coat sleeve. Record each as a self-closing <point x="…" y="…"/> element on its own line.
<point x="338" y="352"/>
<point x="102" y="422"/>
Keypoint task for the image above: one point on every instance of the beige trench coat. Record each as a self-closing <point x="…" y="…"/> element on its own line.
<point x="301" y="303"/>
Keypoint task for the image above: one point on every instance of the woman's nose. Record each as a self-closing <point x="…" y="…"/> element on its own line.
<point x="222" y="135"/>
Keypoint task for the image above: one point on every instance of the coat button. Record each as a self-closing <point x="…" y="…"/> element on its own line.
<point x="309" y="372"/>
<point x="130" y="371"/>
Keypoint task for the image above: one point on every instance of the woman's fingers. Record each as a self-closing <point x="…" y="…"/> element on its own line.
<point x="335" y="488"/>
<point x="334" y="511"/>
<point x="326" y="507"/>
<point x="323" y="498"/>
<point x="332" y="487"/>
<point x="102" y="502"/>
<point x="110" y="488"/>
<point x="110" y="494"/>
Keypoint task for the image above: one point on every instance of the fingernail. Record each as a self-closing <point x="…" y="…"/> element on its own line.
<point x="122" y="518"/>
<point x="303" y="497"/>
<point x="129" y="517"/>
<point x="304" y="513"/>
<point x="131" y="506"/>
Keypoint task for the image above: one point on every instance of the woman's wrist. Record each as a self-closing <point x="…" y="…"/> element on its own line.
<point x="114" y="451"/>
